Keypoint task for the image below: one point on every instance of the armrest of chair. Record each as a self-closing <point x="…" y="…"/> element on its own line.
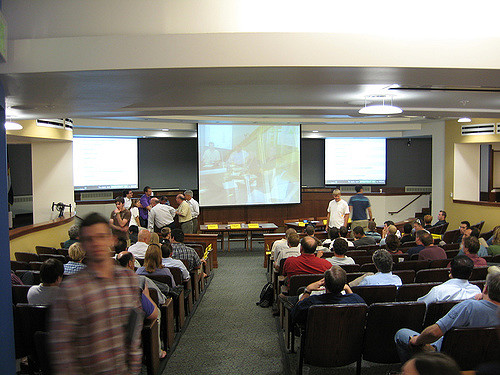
<point x="168" y="322"/>
<point x="150" y="345"/>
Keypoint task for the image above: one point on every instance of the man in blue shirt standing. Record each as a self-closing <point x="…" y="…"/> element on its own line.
<point x="358" y="205"/>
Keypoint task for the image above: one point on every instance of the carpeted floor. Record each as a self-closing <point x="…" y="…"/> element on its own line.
<point x="230" y="334"/>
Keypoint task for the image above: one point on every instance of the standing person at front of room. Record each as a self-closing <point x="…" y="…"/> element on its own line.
<point x="338" y="211"/>
<point x="145" y="206"/>
<point x="358" y="206"/>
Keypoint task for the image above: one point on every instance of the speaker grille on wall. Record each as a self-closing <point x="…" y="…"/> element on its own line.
<point x="475" y="129"/>
<point x="58" y="123"/>
<point x="96" y="196"/>
<point x="418" y="189"/>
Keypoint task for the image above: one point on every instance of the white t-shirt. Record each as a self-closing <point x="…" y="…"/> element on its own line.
<point x="134" y="213"/>
<point x="337" y="212"/>
<point x="128" y="203"/>
<point x="195" y="208"/>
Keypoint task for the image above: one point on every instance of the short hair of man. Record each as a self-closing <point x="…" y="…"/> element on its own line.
<point x="163" y="199"/>
<point x="407" y="228"/>
<point x="154" y="201"/>
<point x="133" y="229"/>
<point x="392" y="229"/>
<point x="461" y="267"/>
<point x="435" y="363"/>
<point x="340" y="246"/>
<point x="333" y="233"/>
<point x="474" y="232"/>
<point x="289" y="231"/>
<point x="308" y="245"/>
<point x="309" y="230"/>
<point x="178" y="235"/>
<point x="120" y="199"/>
<point x="343" y="231"/>
<point x="444" y="213"/>
<point x="124" y="259"/>
<point x="418" y="223"/>
<point x="293" y="240"/>
<point x="181" y="197"/>
<point x="73" y="232"/>
<point x="372" y="226"/>
<point x="76" y="252"/>
<point x="383" y="260"/>
<point x="51" y="270"/>
<point x="144" y="236"/>
<point x="336" y="192"/>
<point x="426" y="238"/>
<point x="188" y="192"/>
<point x="165" y="231"/>
<point x="358" y="188"/>
<point x="146" y="188"/>
<point x="121" y="245"/>
<point x="467" y="224"/>
<point x="493" y="286"/>
<point x="359" y="231"/>
<point x="166" y="249"/>
<point x="125" y="192"/>
<point x="471" y="244"/>
<point x="335" y="279"/>
<point x="389" y="222"/>
<point x="92" y="219"/>
<point x="427" y="219"/>
<point x="392" y="242"/>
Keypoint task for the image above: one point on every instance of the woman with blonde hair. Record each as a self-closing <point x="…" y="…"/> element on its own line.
<point x="76" y="255"/>
<point x="152" y="264"/>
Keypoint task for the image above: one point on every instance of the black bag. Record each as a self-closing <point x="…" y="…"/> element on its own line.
<point x="266" y="296"/>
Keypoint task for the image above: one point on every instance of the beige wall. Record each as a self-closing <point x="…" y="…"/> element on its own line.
<point x="459" y="211"/>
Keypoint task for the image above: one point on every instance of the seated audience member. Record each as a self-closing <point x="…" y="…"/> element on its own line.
<point x="469" y="313"/>
<point x="383" y="261"/>
<point x="153" y="265"/>
<point x="458" y="287"/>
<point x="333" y="234"/>
<point x="372" y="231"/>
<point x="427" y="222"/>
<point x="126" y="259"/>
<point x="14" y="279"/>
<point x="133" y="232"/>
<point x="494" y="248"/>
<point x="361" y="239"/>
<point x="281" y="244"/>
<point x="464" y="225"/>
<point x="340" y="247"/>
<point x="73" y="233"/>
<point x="155" y="239"/>
<point x="420" y="245"/>
<point x="417" y="225"/>
<point x="431" y="363"/>
<point x="391" y="229"/>
<point x="139" y="248"/>
<point x="182" y="251"/>
<point x="489" y="241"/>
<point x="76" y="254"/>
<point x="407" y="234"/>
<point x="335" y="281"/>
<point x="386" y="227"/>
<point x="392" y="244"/>
<point x="120" y="245"/>
<point x="51" y="273"/>
<point x="471" y="248"/>
<point x="166" y="235"/>
<point x="310" y="231"/>
<point x="343" y="234"/>
<point x="430" y="251"/>
<point x="306" y="262"/>
<point x="168" y="261"/>
<point x="293" y="250"/>
<point x="483" y="246"/>
<point x="441" y="218"/>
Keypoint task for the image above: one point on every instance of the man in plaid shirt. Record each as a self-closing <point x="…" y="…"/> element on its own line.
<point x="181" y="251"/>
<point x="89" y="323"/>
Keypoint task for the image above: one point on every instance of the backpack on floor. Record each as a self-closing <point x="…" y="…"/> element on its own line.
<point x="266" y="296"/>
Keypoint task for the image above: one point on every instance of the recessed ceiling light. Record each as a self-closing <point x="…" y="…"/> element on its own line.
<point x="9" y="125"/>
<point x="380" y="110"/>
<point x="165" y="130"/>
<point x="464" y="119"/>
<point x="315" y="131"/>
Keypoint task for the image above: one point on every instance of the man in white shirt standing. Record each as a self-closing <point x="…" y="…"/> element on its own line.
<point x="160" y="216"/>
<point x="195" y="208"/>
<point x="338" y="211"/>
<point x="127" y="197"/>
<point x="458" y="287"/>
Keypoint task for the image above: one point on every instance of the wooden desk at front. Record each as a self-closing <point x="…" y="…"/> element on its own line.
<point x="243" y="227"/>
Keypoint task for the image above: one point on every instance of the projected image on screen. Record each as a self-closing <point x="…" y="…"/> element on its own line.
<point x="355" y="161"/>
<point x="104" y="163"/>
<point x="248" y="164"/>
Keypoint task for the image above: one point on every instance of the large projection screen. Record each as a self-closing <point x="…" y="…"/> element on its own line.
<point x="355" y="161"/>
<point x="104" y="163"/>
<point x="248" y="164"/>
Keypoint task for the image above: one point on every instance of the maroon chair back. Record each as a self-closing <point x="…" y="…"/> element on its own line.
<point x="410" y="292"/>
<point x="368" y="267"/>
<point x="20" y="293"/>
<point x="356" y="253"/>
<point x="479" y="273"/>
<point x="325" y="343"/>
<point x="406" y="276"/>
<point x="45" y="250"/>
<point x="354" y="275"/>
<point x="26" y="257"/>
<point x="60" y="258"/>
<point x="432" y="275"/>
<point x="161" y="278"/>
<point x="382" y="323"/>
<point x="450" y="254"/>
<point x="17" y="265"/>
<point x="177" y="274"/>
<point x="297" y="281"/>
<point x="351" y="267"/>
<point x="436" y="311"/>
<point x="415" y="265"/>
<point x="439" y="263"/>
<point x="376" y="293"/>
<point x="451" y="236"/>
<point x="362" y="259"/>
<point x="451" y="246"/>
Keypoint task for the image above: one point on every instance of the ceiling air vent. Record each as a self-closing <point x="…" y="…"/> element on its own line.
<point x="58" y="123"/>
<point x="476" y="129"/>
<point x="418" y="189"/>
<point x="96" y="196"/>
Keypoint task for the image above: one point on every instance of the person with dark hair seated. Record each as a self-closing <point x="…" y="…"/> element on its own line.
<point x="427" y="221"/>
<point x="343" y="234"/>
<point x="407" y="234"/>
<point x="361" y="239"/>
<point x="51" y="273"/>
<point x="153" y="265"/>
<point x="483" y="246"/>
<point x="430" y="251"/>
<point x="335" y="281"/>
<point x="168" y="261"/>
<point x="181" y="251"/>
<point x="469" y="313"/>
<point x="293" y="250"/>
<point x="383" y="261"/>
<point x="372" y="231"/>
<point x="441" y="218"/>
<point x="464" y="225"/>
<point x="340" y="247"/>
<point x="431" y="364"/>
<point x="333" y="234"/>
<point x="73" y="236"/>
<point x="471" y="248"/>
<point x="392" y="244"/>
<point x="420" y="246"/>
<point x="458" y="287"/>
